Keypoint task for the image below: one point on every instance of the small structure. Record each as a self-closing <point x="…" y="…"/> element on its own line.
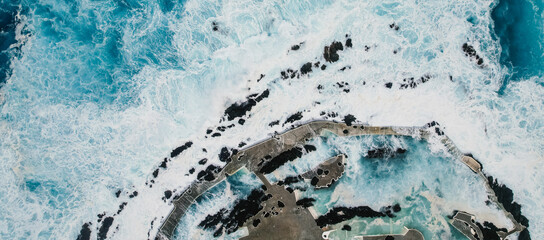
<point x="408" y="234"/>
<point x="464" y="222"/>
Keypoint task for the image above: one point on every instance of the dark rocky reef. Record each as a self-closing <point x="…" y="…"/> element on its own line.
<point x="490" y="230"/>
<point x="305" y="202"/>
<point x="284" y="157"/>
<point x="349" y="119"/>
<point x="506" y="197"/>
<point x="340" y="214"/>
<point x="225" y="154"/>
<point x="273" y="123"/>
<point x="209" y="173"/>
<point x="330" y="53"/>
<point x="85" y="233"/>
<point x="295" y="117"/>
<point x="306" y="68"/>
<point x="180" y="149"/>
<point x="412" y="82"/>
<point x="103" y="231"/>
<point x="384" y="152"/>
<point x="240" y="109"/>
<point x="471" y="53"/>
<point x="231" y="220"/>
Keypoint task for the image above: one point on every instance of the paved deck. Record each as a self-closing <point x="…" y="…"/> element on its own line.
<point x="253" y="157"/>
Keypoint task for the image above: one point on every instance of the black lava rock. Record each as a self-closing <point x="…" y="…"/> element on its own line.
<point x="349" y="119"/>
<point x="282" y="158"/>
<point x="230" y="221"/>
<point x="274" y="123"/>
<point x="103" y="232"/>
<point x="330" y="52"/>
<point x="506" y="198"/>
<point x="85" y="233"/>
<point x="348" y="43"/>
<point x="340" y="214"/>
<point x="240" y="109"/>
<point x="305" y="202"/>
<point x="396" y="208"/>
<point x="180" y="149"/>
<point x="314" y="181"/>
<point x="346" y="228"/>
<point x="209" y="173"/>
<point x="306" y="68"/>
<point x="295" y="117"/>
<point x="167" y="194"/>
<point x="224" y="155"/>
<point x="489" y="230"/>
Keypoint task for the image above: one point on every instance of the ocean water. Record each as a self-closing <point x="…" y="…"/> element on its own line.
<point x="96" y="93"/>
<point x="519" y="26"/>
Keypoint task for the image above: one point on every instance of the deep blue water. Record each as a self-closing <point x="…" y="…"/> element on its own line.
<point x="80" y="51"/>
<point x="519" y="24"/>
<point x="8" y="12"/>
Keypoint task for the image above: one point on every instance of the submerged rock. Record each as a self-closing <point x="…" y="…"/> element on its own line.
<point x="340" y="214"/>
<point x="384" y="152"/>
